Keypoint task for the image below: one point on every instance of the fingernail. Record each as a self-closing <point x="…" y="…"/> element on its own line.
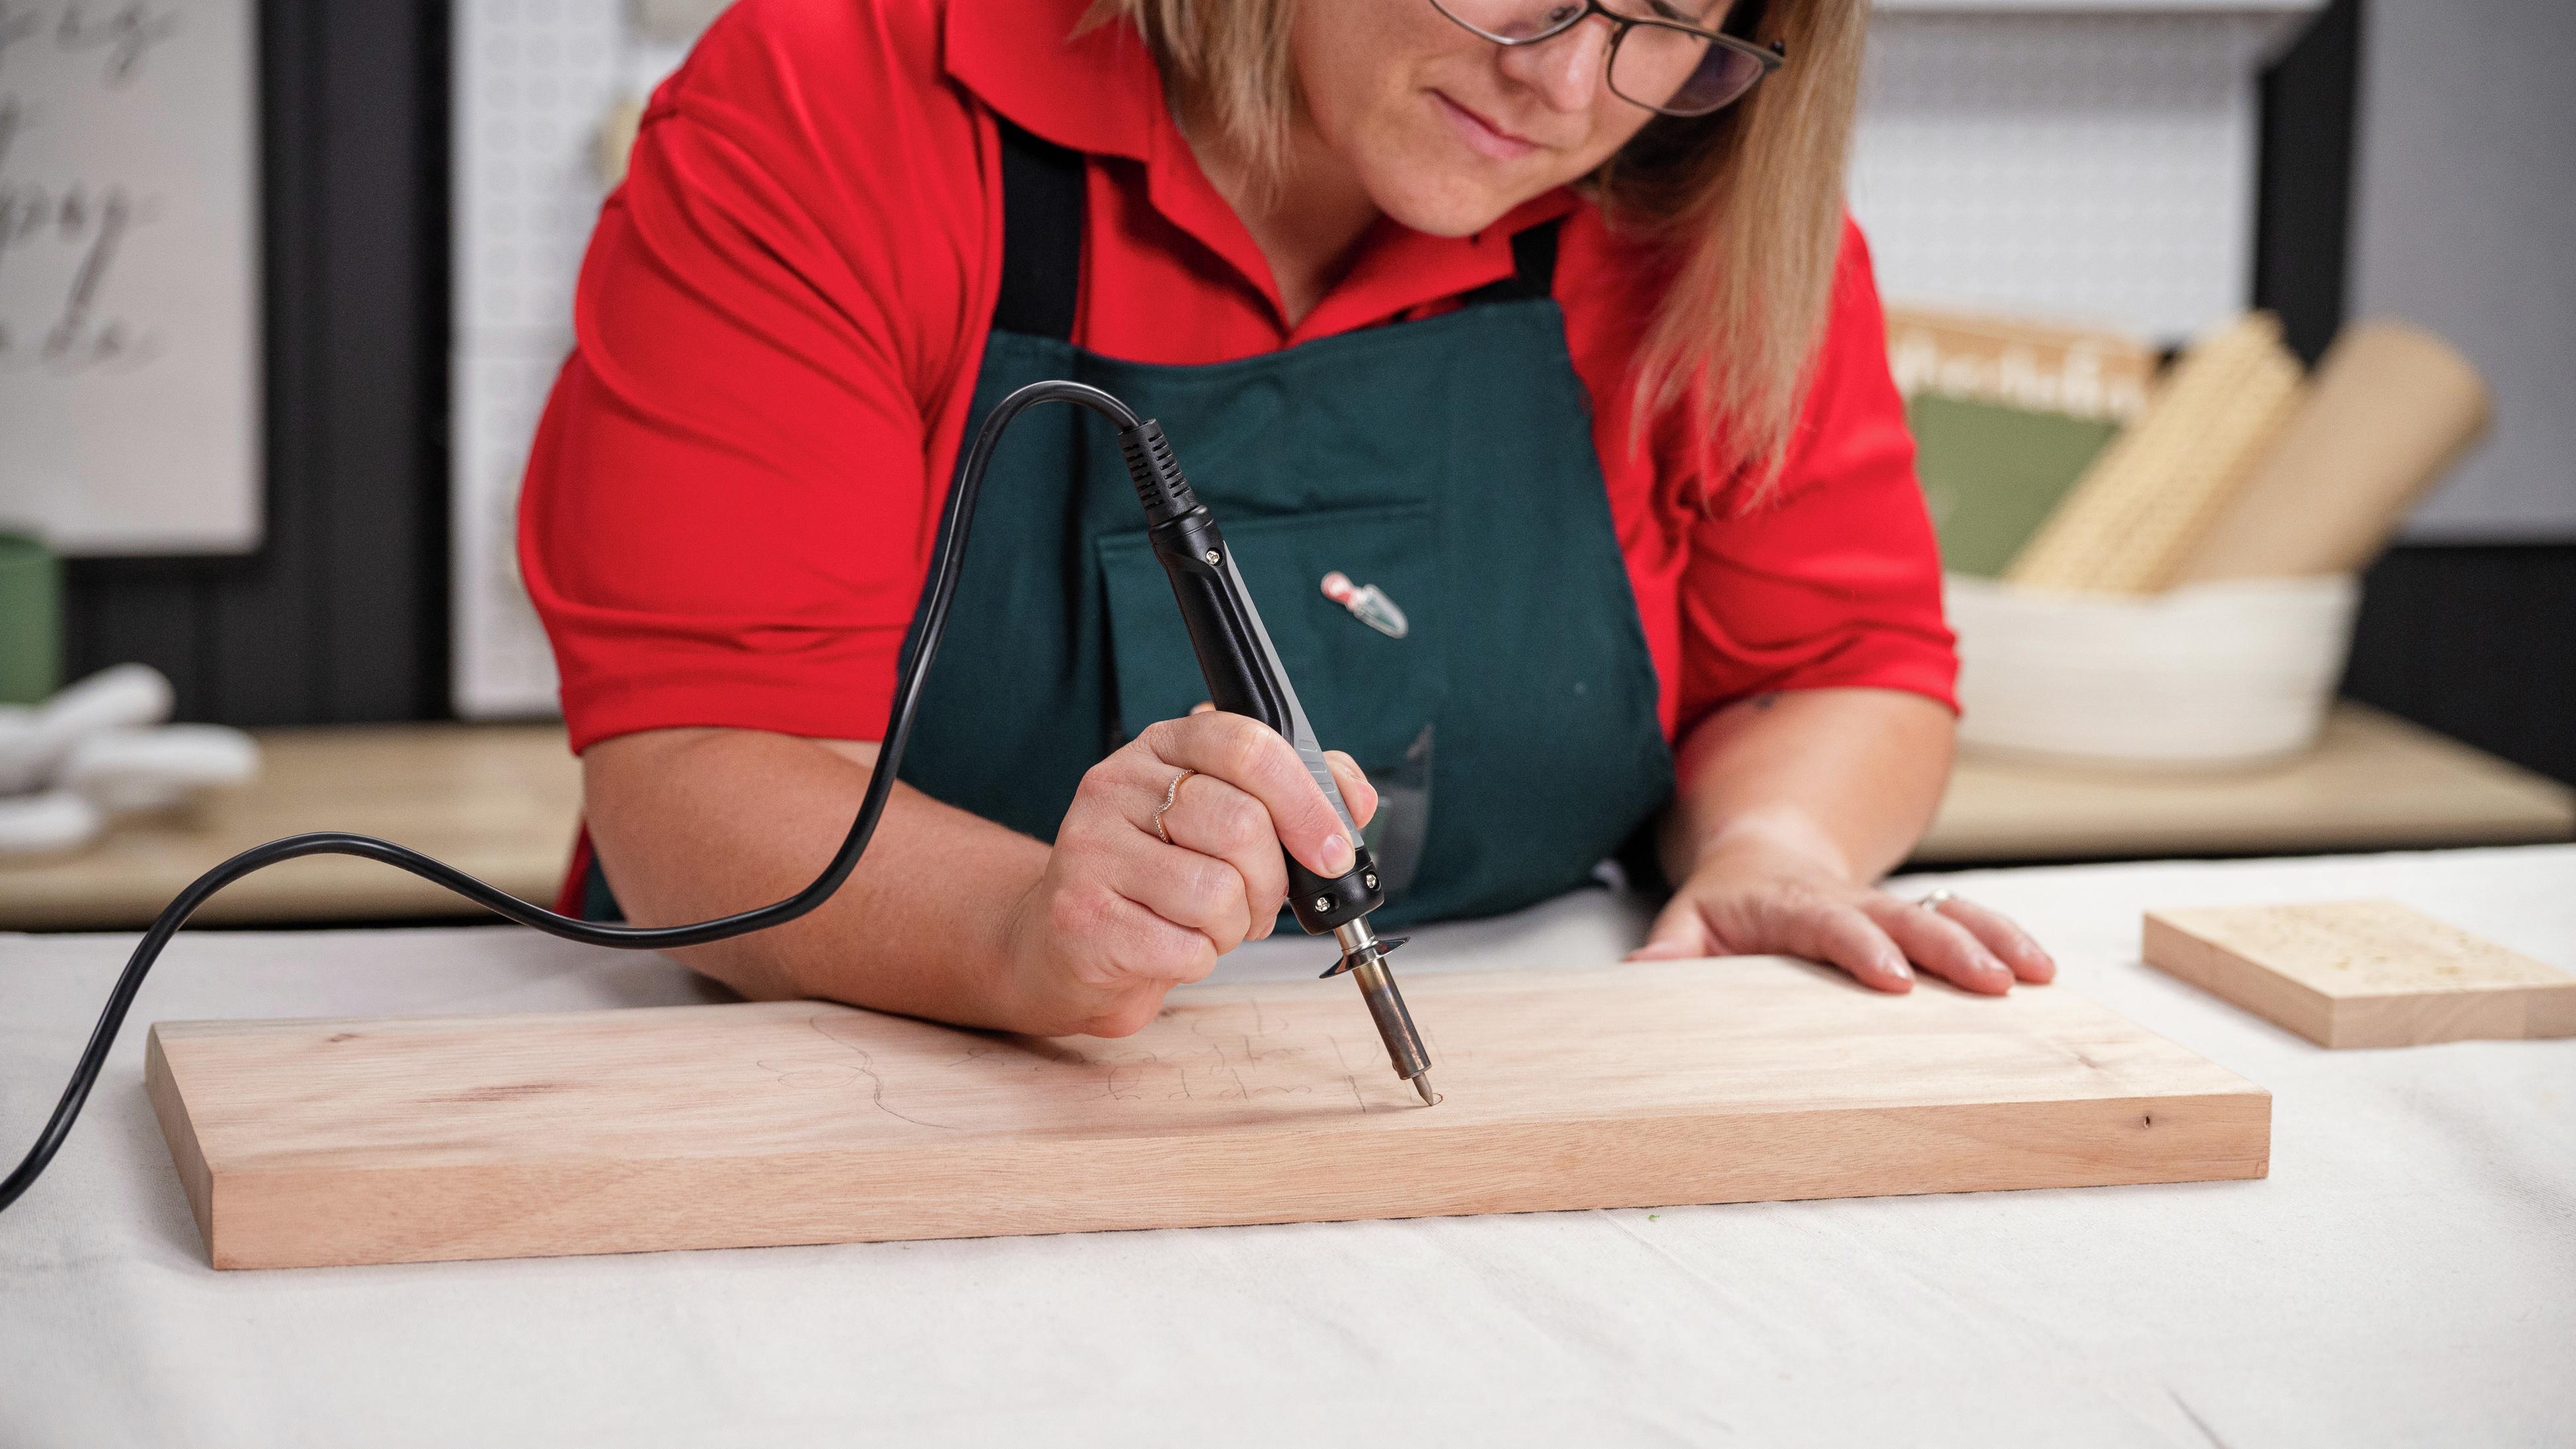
<point x="1338" y="858"/>
<point x="1896" y="966"/>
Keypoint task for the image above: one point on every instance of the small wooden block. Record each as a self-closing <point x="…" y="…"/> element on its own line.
<point x="323" y="1142"/>
<point x="2362" y="973"/>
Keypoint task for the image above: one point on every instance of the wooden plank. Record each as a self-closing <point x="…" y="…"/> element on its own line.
<point x="2362" y="973"/>
<point x="2373" y="782"/>
<point x="365" y="1141"/>
<point x="498" y="801"/>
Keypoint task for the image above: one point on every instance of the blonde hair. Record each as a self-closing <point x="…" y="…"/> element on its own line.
<point x="1743" y="209"/>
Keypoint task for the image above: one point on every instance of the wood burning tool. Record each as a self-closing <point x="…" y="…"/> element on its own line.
<point x="1244" y="676"/>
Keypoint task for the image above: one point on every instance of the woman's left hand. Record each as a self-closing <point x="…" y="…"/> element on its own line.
<point x="1757" y="901"/>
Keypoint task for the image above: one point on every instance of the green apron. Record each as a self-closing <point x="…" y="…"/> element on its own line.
<point x="1511" y="730"/>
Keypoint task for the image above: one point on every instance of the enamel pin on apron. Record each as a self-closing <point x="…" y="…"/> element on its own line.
<point x="1367" y="602"/>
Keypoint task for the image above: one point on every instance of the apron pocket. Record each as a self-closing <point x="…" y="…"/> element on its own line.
<point x="1366" y="691"/>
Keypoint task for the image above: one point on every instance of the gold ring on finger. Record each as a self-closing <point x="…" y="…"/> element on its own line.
<point x="1171" y="793"/>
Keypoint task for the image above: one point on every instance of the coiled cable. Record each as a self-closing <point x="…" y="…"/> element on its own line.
<point x="956" y="519"/>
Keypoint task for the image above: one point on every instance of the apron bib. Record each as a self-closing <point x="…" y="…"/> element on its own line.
<point x="1510" y="728"/>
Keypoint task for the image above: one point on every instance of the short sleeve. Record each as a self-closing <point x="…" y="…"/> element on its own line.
<point x="734" y="490"/>
<point x="1834" y="578"/>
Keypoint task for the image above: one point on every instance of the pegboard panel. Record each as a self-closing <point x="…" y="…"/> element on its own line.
<point x="497" y="400"/>
<point x="533" y="81"/>
<point x="2094" y="167"/>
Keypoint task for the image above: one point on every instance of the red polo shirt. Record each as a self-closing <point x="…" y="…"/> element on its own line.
<point x="732" y="499"/>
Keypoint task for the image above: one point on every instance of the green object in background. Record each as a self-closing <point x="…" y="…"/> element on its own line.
<point x="1992" y="473"/>
<point x="31" y="620"/>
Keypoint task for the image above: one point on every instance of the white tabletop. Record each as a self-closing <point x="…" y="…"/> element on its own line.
<point x="2406" y="1275"/>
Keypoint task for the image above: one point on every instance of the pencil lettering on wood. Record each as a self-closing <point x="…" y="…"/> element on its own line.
<point x="1207" y="1052"/>
<point x="801" y="1122"/>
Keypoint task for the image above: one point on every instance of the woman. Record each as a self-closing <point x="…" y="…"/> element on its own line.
<point x="1541" y="320"/>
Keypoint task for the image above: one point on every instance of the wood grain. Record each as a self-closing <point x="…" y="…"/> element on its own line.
<point x="2362" y="973"/>
<point x="367" y="1141"/>
<point x="497" y="801"/>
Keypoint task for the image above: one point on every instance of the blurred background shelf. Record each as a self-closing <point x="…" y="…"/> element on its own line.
<point x="495" y="801"/>
<point x="500" y="801"/>
<point x="2373" y="782"/>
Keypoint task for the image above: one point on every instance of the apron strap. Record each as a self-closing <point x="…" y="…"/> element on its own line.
<point x="1042" y="215"/>
<point x="1533" y="268"/>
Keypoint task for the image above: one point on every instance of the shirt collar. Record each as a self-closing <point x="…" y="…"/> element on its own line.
<point x="1097" y="91"/>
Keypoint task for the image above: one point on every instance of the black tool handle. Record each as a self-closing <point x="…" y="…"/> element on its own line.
<point x="1242" y="669"/>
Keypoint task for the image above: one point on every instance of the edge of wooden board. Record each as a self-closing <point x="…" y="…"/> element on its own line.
<point x="2293" y="1006"/>
<point x="196" y="1178"/>
<point x="406" y="1215"/>
<point x="2491" y="1013"/>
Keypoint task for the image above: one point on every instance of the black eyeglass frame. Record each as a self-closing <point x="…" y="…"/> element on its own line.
<point x="1770" y="57"/>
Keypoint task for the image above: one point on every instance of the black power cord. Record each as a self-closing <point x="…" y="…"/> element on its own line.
<point x="958" y="517"/>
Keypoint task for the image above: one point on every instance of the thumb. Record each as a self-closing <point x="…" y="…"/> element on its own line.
<point x="1680" y="933"/>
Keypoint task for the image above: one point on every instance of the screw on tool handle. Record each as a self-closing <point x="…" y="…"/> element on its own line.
<point x="1236" y="658"/>
<point x="1324" y="905"/>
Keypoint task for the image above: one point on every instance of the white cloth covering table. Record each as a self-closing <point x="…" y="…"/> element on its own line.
<point x="2406" y="1275"/>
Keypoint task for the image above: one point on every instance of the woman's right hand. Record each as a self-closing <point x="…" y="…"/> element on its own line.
<point x="1119" y="918"/>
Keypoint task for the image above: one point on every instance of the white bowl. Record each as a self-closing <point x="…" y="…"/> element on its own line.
<point x="2205" y="675"/>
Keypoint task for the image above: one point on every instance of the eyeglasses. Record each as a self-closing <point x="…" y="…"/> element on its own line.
<point x="1659" y="61"/>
